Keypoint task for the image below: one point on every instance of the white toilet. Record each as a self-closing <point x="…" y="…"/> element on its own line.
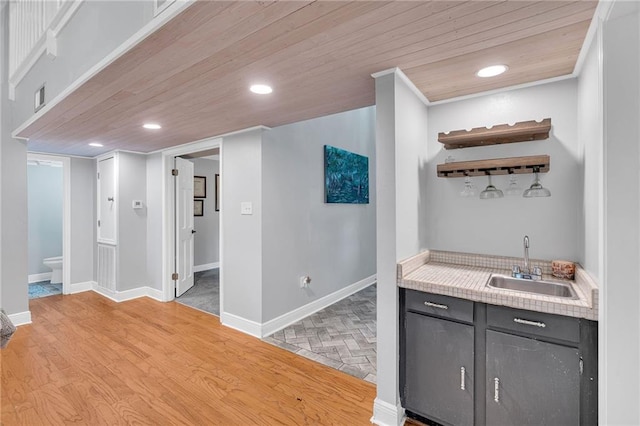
<point x="55" y="263"/>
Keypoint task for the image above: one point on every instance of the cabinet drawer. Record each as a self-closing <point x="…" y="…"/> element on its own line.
<point x="536" y="323"/>
<point x="440" y="306"/>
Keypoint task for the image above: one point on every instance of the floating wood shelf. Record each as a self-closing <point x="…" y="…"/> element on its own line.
<point x="503" y="133"/>
<point x="496" y="166"/>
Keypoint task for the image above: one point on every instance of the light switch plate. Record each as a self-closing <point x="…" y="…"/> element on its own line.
<point x="246" y="207"/>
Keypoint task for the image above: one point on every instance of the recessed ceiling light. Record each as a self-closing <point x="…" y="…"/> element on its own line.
<point x="261" y="89"/>
<point x="492" y="71"/>
<point x="96" y="144"/>
<point x="152" y="126"/>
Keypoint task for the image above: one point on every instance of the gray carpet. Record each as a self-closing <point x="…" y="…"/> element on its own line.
<point x="205" y="293"/>
<point x="341" y="336"/>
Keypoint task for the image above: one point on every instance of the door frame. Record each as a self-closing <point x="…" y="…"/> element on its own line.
<point x="66" y="214"/>
<point x="168" y="213"/>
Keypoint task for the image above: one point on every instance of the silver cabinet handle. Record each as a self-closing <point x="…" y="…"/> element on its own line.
<point x="496" y="389"/>
<point x="110" y="199"/>
<point x="462" y="371"/>
<point x="436" y="305"/>
<point x="527" y="322"/>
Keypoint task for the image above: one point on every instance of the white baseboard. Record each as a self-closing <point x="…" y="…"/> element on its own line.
<point x="80" y="287"/>
<point x="123" y="296"/>
<point x="109" y="294"/>
<point x="155" y="294"/>
<point x="134" y="293"/>
<point x="206" y="267"/>
<point x="298" y="314"/>
<point x="21" y="318"/>
<point x="241" y="324"/>
<point x="385" y="414"/>
<point x="35" y="278"/>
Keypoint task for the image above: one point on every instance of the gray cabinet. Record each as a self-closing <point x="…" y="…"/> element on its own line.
<point x="440" y="357"/>
<point x="517" y="367"/>
<point x="530" y="382"/>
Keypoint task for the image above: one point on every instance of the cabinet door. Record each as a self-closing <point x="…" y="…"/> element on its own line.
<point x="439" y="369"/>
<point x="531" y="382"/>
<point x="107" y="201"/>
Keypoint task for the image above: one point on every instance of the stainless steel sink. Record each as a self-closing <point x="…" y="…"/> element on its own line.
<point x="545" y="288"/>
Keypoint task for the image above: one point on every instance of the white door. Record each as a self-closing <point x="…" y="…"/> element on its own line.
<point x="106" y="201"/>
<point x="184" y="225"/>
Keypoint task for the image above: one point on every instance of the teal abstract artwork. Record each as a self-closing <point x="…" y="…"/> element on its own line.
<point x="346" y="176"/>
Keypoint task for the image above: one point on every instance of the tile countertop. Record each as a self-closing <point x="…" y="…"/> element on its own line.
<point x="465" y="276"/>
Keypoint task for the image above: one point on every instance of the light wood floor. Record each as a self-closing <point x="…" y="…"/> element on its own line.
<point x="89" y="361"/>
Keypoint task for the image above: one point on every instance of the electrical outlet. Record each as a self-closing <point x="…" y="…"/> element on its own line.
<point x="305" y="281"/>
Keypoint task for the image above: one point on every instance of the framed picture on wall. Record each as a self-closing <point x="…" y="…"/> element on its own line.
<point x="217" y="192"/>
<point x="199" y="187"/>
<point x="198" y="207"/>
<point x="346" y="176"/>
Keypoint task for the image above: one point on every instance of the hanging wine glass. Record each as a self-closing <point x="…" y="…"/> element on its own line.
<point x="470" y="189"/>
<point x="536" y="189"/>
<point x="513" y="190"/>
<point x="490" y="191"/>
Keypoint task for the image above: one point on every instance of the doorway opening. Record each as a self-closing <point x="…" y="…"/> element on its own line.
<point x="48" y="207"/>
<point x="193" y="210"/>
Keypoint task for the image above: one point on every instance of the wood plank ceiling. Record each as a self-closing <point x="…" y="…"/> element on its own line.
<point x="192" y="75"/>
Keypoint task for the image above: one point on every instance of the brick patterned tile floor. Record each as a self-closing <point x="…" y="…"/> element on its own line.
<point x="341" y="336"/>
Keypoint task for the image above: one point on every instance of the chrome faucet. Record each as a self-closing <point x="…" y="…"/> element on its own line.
<point x="526" y="272"/>
<point x="525" y="267"/>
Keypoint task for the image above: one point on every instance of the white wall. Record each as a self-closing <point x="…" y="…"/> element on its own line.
<point x="412" y="198"/>
<point x="96" y="29"/>
<point x="44" y="205"/>
<point x="401" y="132"/>
<point x="132" y="223"/>
<point x="497" y="227"/>
<point x="335" y="244"/>
<point x="242" y="234"/>
<point x="387" y="300"/>
<point x="207" y="238"/>
<point x="154" y="206"/>
<point x="14" y="225"/>
<point x="619" y="324"/>
<point x="13" y="190"/>
<point x="590" y="139"/>
<point x="83" y="219"/>
<point x="4" y="108"/>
